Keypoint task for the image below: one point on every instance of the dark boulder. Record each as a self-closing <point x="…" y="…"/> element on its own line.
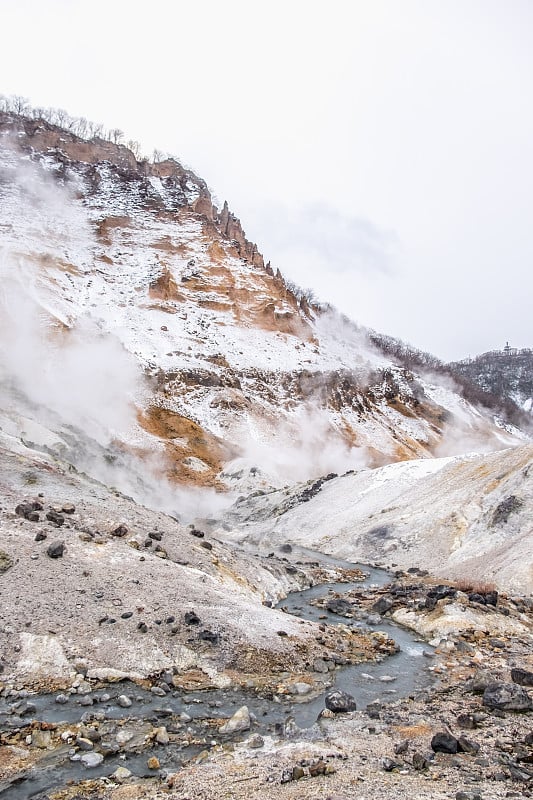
<point x="56" y="549"/>
<point x="382" y="605"/>
<point x="340" y="702"/>
<point x="209" y="636"/>
<point x="120" y="530"/>
<point x="191" y="618"/>
<point x="522" y="676"/>
<point x="339" y="606"/>
<point x="507" y="697"/>
<point x="55" y="517"/>
<point x="444" y="742"/>
<point x="28" y="511"/>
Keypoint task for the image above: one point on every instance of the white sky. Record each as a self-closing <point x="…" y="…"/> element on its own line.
<point x="378" y="152"/>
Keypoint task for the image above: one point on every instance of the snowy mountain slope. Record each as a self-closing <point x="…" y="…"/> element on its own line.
<point x="462" y="517"/>
<point x="134" y="259"/>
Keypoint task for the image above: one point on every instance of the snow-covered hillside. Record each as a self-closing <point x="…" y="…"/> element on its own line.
<point x="459" y="517"/>
<point x="134" y="308"/>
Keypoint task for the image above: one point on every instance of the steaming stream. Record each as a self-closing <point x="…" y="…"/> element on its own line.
<point x="408" y="668"/>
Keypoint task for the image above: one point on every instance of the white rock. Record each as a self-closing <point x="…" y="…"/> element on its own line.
<point x="240" y="721"/>
<point x="91" y="760"/>
<point x="124" y="701"/>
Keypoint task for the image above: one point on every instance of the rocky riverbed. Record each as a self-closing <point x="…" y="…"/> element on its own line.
<point x="144" y="658"/>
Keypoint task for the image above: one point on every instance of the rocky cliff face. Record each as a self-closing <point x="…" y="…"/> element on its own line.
<point x="238" y="371"/>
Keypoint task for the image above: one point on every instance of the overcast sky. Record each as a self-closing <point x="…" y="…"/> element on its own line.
<point x="378" y="152"/>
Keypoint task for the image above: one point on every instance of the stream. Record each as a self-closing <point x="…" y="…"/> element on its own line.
<point x="190" y="714"/>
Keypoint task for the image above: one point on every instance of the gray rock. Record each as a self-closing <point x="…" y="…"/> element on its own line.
<point x="339" y="606"/>
<point x="382" y="605"/>
<point x="467" y="745"/>
<point x="124" y="701"/>
<point x="340" y="702"/>
<point x="92" y="759"/>
<point x="420" y="762"/>
<point x="507" y="697"/>
<point x="522" y="676"/>
<point x="61" y="699"/>
<point x="161" y="735"/>
<point x="121" y="774"/>
<point x="83" y="743"/>
<point x="56" y="549"/>
<point x="240" y="721"/>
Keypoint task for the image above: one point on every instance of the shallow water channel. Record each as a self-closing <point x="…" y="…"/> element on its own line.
<point x="405" y="673"/>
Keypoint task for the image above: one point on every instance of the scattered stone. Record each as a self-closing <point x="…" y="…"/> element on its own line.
<point x="55" y="517"/>
<point x="319" y="665"/>
<point x="339" y="606"/>
<point x="56" y="549"/>
<point x="28" y="511"/>
<point x="92" y="759"/>
<point x="240" y="721"/>
<point x="61" y="699"/>
<point x="466" y="721"/>
<point x="191" y="618"/>
<point x="124" y="701"/>
<point x="83" y="743"/>
<point x="120" y="530"/>
<point x="320" y="768"/>
<point x="161" y="735"/>
<point x="6" y="562"/>
<point x="388" y="764"/>
<point x="209" y="636"/>
<point x="153" y="763"/>
<point x="155" y="535"/>
<point x="121" y="774"/>
<point x="382" y="605"/>
<point x="300" y="688"/>
<point x="86" y="701"/>
<point x="40" y="536"/>
<point x="420" y="762"/>
<point x="158" y="691"/>
<point x="480" y="681"/>
<point x="255" y="741"/>
<point x="522" y="676"/>
<point x="507" y="697"/>
<point x="142" y="627"/>
<point x="68" y="508"/>
<point x="41" y="739"/>
<point x="465" y="745"/>
<point x="340" y="702"/>
<point x="206" y="545"/>
<point x="444" y="742"/>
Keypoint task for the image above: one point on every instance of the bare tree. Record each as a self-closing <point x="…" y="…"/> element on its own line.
<point x="116" y="135"/>
<point x="135" y="148"/>
<point x="158" y="156"/>
<point x="62" y="117"/>
<point x="19" y="105"/>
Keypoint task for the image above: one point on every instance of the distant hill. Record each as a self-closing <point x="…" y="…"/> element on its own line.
<point x="506" y="373"/>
